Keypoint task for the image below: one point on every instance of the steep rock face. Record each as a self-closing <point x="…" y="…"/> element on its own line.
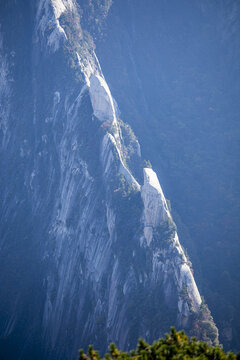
<point x="155" y="205"/>
<point x="101" y="99"/>
<point x="88" y="255"/>
<point x="174" y="58"/>
<point x="170" y="261"/>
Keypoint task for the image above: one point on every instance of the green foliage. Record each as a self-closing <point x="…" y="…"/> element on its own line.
<point x="130" y="151"/>
<point x="93" y="15"/>
<point x="147" y="164"/>
<point x="113" y="129"/>
<point x="175" y="346"/>
<point x="204" y="327"/>
<point x="79" y="42"/>
<point x="164" y="233"/>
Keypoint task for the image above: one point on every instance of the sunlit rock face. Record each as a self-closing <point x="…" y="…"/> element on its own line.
<point x="82" y="252"/>
<point x="168" y="260"/>
<point x="155" y="204"/>
<point x="101" y="99"/>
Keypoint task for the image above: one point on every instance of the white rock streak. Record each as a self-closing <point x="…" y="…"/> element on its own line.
<point x="186" y="279"/>
<point x="101" y="98"/>
<point x="173" y="264"/>
<point x="5" y="93"/>
<point x="47" y="22"/>
<point x="155" y="205"/>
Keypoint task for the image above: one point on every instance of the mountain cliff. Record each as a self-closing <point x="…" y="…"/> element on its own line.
<point x="179" y="89"/>
<point x="89" y="249"/>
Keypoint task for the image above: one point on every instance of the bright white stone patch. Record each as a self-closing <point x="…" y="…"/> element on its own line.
<point x="58" y="7"/>
<point x="187" y="279"/>
<point x="155" y="205"/>
<point x="150" y="177"/>
<point x="101" y="99"/>
<point x="48" y="14"/>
